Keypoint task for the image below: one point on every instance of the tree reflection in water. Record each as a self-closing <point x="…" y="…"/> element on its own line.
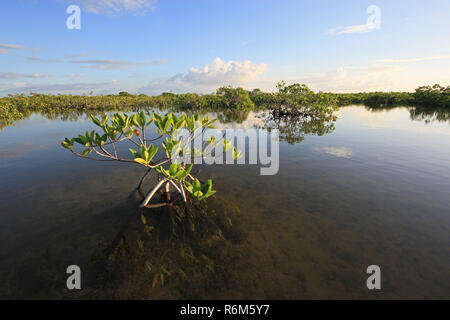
<point x="428" y="115"/>
<point x="294" y="128"/>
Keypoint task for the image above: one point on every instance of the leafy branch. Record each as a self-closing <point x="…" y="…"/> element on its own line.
<point x="121" y="128"/>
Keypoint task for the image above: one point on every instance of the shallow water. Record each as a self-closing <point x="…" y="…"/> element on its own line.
<point x="375" y="190"/>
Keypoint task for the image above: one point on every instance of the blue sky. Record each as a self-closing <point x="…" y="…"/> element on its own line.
<point x="153" y="46"/>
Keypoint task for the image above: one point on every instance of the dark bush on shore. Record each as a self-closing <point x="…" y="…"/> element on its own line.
<point x="436" y="96"/>
<point x="426" y="96"/>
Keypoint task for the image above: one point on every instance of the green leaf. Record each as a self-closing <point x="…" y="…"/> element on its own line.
<point x="198" y="194"/>
<point x="152" y="152"/>
<point x="208" y="194"/>
<point x="236" y="154"/>
<point x="95" y="120"/>
<point x="142" y="120"/>
<point x="189" y="187"/>
<point x="135" y="153"/>
<point x="146" y="155"/>
<point x="197" y="185"/>
<point x="226" y="145"/>
<point x="141" y="161"/>
<point x="148" y="122"/>
<point x="188" y="168"/>
<point x="86" y="152"/>
<point x="173" y="169"/>
<point x="68" y="144"/>
<point x="104" y="119"/>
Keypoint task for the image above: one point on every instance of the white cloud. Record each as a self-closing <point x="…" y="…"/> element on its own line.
<point x="13" y="75"/>
<point x="81" y="87"/>
<point x="382" y="75"/>
<point x="341" y="80"/>
<point x="116" y="64"/>
<point x="6" y="48"/>
<point x="432" y="58"/>
<point x="359" y="28"/>
<point x="116" y="6"/>
<point x="211" y="76"/>
<point x="76" y="75"/>
<point x="373" y="23"/>
<point x="10" y="86"/>
<point x="339" y="152"/>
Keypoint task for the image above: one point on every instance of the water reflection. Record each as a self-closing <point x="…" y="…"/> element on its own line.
<point x="339" y="152"/>
<point x="294" y="128"/>
<point x="372" y="191"/>
<point x="429" y="115"/>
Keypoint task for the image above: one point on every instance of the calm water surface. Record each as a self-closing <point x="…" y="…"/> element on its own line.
<point x="375" y="190"/>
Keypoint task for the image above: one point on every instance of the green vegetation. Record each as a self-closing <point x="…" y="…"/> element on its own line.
<point x="295" y="98"/>
<point x="171" y="171"/>
<point x="234" y="98"/>
<point x="299" y="100"/>
<point x="177" y="149"/>
<point x="376" y="99"/>
<point x="435" y="96"/>
<point x="9" y="114"/>
<point x="423" y="97"/>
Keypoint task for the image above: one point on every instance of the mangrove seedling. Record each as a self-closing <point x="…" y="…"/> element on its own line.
<point x="132" y="129"/>
<point x="172" y="169"/>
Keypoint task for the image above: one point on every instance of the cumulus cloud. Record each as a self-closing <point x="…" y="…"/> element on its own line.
<point x="116" y="64"/>
<point x="116" y="6"/>
<point x="210" y="76"/>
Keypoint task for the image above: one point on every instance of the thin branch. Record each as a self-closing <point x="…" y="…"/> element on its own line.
<point x="175" y="186"/>
<point x="131" y="139"/>
<point x="156" y="205"/>
<point x="111" y="159"/>
<point x="151" y="194"/>
<point x="151" y="140"/>
<point x="143" y="138"/>
<point x="182" y="191"/>
<point x="143" y="178"/>
<point x="90" y="158"/>
<point x="114" y="147"/>
<point x="119" y="140"/>
<point x="103" y="154"/>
